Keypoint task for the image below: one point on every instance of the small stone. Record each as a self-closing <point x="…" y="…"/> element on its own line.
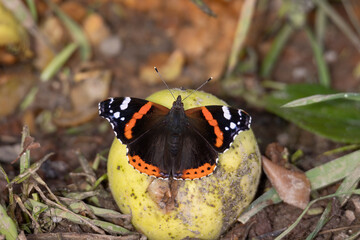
<point x="341" y="236"/>
<point x="356" y="202"/>
<point x="350" y="215"/>
<point x="111" y="46"/>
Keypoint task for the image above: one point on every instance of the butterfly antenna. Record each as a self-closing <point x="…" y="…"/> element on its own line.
<point x="198" y="88"/>
<point x="164" y="82"/>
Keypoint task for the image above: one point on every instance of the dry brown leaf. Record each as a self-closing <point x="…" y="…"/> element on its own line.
<point x="170" y="67"/>
<point x="74" y="10"/>
<point x="75" y="117"/>
<point x="56" y="35"/>
<point x="96" y="29"/>
<point x="277" y="153"/>
<point x="13" y="87"/>
<point x="293" y="187"/>
<point x="92" y="86"/>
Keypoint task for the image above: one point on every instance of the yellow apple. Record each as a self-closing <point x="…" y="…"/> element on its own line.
<point x="175" y="209"/>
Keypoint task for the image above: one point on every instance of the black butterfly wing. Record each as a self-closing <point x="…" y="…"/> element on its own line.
<point x="131" y="117"/>
<point x="219" y="125"/>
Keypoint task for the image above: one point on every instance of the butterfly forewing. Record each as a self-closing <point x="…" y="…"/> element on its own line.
<point x="219" y="125"/>
<point x="131" y="117"/>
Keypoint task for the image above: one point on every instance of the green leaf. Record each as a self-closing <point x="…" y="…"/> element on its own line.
<point x="7" y="225"/>
<point x="54" y="66"/>
<point x="338" y="120"/>
<point x="322" y="98"/>
<point x="242" y="30"/>
<point x="75" y="30"/>
<point x="323" y="70"/>
<point x="276" y="48"/>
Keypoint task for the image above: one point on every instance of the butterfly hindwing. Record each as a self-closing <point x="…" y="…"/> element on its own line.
<point x="131" y="117"/>
<point x="219" y="125"/>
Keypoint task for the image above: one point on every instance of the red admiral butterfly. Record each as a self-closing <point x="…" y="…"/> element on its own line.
<point x="173" y="143"/>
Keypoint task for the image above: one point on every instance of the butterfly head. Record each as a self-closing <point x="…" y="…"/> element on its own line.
<point x="178" y="104"/>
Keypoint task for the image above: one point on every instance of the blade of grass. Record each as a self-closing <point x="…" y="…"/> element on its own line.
<point x="29" y="98"/>
<point x="323" y="71"/>
<point x="350" y="147"/>
<point x="78" y="207"/>
<point x="75" y="31"/>
<point x="29" y="171"/>
<point x="275" y="50"/>
<point x="348" y="185"/>
<point x="320" y="26"/>
<point x="23" y="208"/>
<point x="349" y="8"/>
<point x="77" y="218"/>
<point x="241" y="33"/>
<point x="334" y="170"/>
<point x="337" y="19"/>
<point x="203" y="7"/>
<point x="354" y="236"/>
<point x="12" y="204"/>
<point x="99" y="180"/>
<point x="321" y="98"/>
<point x="33" y="11"/>
<point x="108" y="227"/>
<point x="319" y="177"/>
<point x="322" y="221"/>
<point x="53" y="67"/>
<point x="25" y="158"/>
<point x="4" y="174"/>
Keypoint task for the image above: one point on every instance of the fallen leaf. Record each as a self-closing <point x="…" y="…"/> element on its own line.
<point x="96" y="29"/>
<point x="14" y="86"/>
<point x="170" y="67"/>
<point x="277" y="153"/>
<point x="91" y="87"/>
<point x="293" y="187"/>
<point x="74" y="10"/>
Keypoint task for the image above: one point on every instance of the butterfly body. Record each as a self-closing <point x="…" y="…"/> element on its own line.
<point x="173" y="143"/>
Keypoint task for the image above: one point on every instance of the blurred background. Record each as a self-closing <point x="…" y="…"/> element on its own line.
<point x="59" y="58"/>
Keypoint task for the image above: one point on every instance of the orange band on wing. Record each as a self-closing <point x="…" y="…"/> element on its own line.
<point x="214" y="123"/>
<point x="143" y="167"/>
<point x="199" y="172"/>
<point x="138" y="115"/>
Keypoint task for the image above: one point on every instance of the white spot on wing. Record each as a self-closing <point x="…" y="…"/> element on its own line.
<point x="227" y="128"/>
<point x="117" y="115"/>
<point x="124" y="105"/>
<point x="232" y="125"/>
<point x="226" y="111"/>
